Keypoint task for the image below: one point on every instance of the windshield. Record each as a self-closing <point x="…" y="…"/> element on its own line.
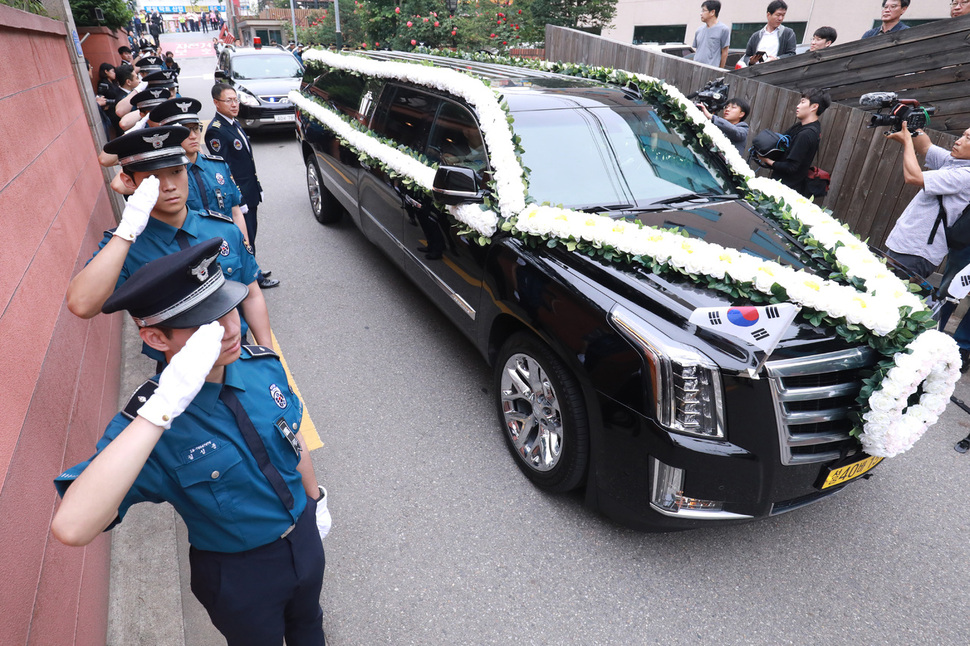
<point x="266" y="66"/>
<point x="619" y="156"/>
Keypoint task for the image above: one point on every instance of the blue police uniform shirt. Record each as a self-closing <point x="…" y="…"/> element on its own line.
<point x="203" y="467"/>
<point x="220" y="191"/>
<point x="158" y="239"/>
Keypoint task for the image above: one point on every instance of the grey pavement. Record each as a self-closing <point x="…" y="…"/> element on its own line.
<point x="438" y="539"/>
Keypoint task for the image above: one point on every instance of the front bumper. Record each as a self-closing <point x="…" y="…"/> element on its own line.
<point x="267" y="116"/>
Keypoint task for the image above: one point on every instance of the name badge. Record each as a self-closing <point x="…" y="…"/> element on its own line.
<point x="196" y="452"/>
<point x="289" y="436"/>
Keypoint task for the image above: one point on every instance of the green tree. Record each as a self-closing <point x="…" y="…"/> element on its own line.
<point x="116" y="13"/>
<point x="589" y="15"/>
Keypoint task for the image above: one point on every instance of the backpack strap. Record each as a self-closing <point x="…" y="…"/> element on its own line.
<point x="940" y="219"/>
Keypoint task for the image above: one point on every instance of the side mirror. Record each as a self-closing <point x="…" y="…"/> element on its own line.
<point x="456" y="185"/>
<point x="219" y="74"/>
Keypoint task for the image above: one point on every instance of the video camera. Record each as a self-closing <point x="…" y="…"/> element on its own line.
<point x="908" y="110"/>
<point x="714" y="95"/>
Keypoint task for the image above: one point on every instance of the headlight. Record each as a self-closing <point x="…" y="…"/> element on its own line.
<point x="247" y="99"/>
<point x="686" y="384"/>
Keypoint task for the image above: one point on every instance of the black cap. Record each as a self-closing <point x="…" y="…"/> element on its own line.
<point x="173" y="111"/>
<point x="162" y="78"/>
<point x="181" y="290"/>
<point x="150" y="148"/>
<point x="148" y="99"/>
<point x="149" y="64"/>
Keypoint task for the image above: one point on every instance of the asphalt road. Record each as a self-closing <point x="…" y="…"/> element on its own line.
<point x="438" y="538"/>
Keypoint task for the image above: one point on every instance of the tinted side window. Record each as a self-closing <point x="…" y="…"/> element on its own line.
<point x="352" y="95"/>
<point x="456" y="140"/>
<point x="404" y="115"/>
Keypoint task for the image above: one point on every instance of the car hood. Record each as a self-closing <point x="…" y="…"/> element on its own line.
<point x="269" y="87"/>
<point x="669" y="299"/>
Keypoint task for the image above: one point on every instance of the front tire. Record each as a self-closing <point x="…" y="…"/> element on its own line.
<point x="326" y="209"/>
<point x="543" y="414"/>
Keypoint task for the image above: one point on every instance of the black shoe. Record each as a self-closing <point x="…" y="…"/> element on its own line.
<point x="422" y="249"/>
<point x="962" y="446"/>
<point x="266" y="283"/>
<point x="964" y="360"/>
<point x="266" y="274"/>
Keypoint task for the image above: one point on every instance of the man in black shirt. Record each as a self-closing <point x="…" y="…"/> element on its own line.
<point x="792" y="169"/>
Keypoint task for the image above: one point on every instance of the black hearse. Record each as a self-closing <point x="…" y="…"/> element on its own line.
<point x="599" y="379"/>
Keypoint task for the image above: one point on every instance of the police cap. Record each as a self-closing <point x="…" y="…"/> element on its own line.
<point x="148" y="99"/>
<point x="161" y="78"/>
<point x="149" y="64"/>
<point x="149" y="149"/>
<point x="181" y="290"/>
<point x="183" y="110"/>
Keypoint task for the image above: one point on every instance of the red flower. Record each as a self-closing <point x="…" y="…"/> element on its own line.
<point x="504" y="42"/>
<point x="515" y="26"/>
<point x="397" y="10"/>
<point x="364" y="45"/>
<point x="377" y="44"/>
<point x="492" y="36"/>
<point x="414" y="42"/>
<point x="410" y="23"/>
<point x="437" y="24"/>
<point x="425" y="19"/>
<point x="454" y="31"/>
<point x="520" y="12"/>
<point x="502" y="15"/>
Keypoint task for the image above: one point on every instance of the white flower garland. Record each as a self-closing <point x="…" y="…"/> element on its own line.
<point x="933" y="359"/>
<point x="932" y="362"/>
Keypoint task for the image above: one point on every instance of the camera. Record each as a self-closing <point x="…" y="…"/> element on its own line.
<point x="714" y="95"/>
<point x="908" y="110"/>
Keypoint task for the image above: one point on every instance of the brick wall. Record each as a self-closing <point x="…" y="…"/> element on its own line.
<point x="59" y="374"/>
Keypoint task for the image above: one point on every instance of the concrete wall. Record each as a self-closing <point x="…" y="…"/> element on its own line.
<point x="850" y="19"/>
<point x="59" y="374"/>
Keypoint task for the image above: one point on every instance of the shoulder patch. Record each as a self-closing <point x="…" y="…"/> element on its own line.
<point x="212" y="157"/>
<point x="259" y="351"/>
<point x="139" y="397"/>
<point x="215" y="124"/>
<point x="216" y="214"/>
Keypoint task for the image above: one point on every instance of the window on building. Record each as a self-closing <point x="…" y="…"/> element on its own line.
<point x="741" y="32"/>
<point x="659" y="34"/>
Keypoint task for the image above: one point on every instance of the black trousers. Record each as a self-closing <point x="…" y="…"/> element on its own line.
<point x="250" y="217"/>
<point x="265" y="595"/>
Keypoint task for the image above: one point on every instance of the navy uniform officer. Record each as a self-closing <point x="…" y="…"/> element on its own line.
<point x="225" y="137"/>
<point x="211" y="186"/>
<point x="157" y="222"/>
<point x="217" y="436"/>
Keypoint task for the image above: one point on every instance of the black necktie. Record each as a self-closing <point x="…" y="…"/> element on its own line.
<point x="182" y="238"/>
<point x="200" y="184"/>
<point x="256" y="446"/>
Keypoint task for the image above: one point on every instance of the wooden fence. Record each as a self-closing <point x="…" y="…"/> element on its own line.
<point x="867" y="189"/>
<point x="929" y="63"/>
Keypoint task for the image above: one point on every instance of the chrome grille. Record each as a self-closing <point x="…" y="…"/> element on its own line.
<point x="813" y="397"/>
<point x="275" y="99"/>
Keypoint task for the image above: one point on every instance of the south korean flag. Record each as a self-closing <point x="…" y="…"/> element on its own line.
<point x="960" y="285"/>
<point x="761" y="326"/>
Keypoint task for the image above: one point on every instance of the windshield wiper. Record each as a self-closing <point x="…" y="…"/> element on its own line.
<point x="605" y="209"/>
<point x="690" y="197"/>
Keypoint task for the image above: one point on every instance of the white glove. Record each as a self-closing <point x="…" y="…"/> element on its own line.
<point x="138" y="209"/>
<point x="184" y="376"/>
<point x="323" y="514"/>
<point x="142" y="123"/>
<point x="141" y="87"/>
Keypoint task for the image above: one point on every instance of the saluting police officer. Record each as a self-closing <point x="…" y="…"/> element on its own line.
<point x="157" y="222"/>
<point x="216" y="435"/>
<point x="211" y="186"/>
<point x="226" y="138"/>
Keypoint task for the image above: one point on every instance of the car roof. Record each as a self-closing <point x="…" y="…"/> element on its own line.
<point x="247" y="51"/>
<point x="522" y="88"/>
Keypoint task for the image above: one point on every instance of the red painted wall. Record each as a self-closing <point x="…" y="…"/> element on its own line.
<point x="59" y="374"/>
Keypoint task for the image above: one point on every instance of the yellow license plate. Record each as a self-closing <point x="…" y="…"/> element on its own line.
<point x="850" y="472"/>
